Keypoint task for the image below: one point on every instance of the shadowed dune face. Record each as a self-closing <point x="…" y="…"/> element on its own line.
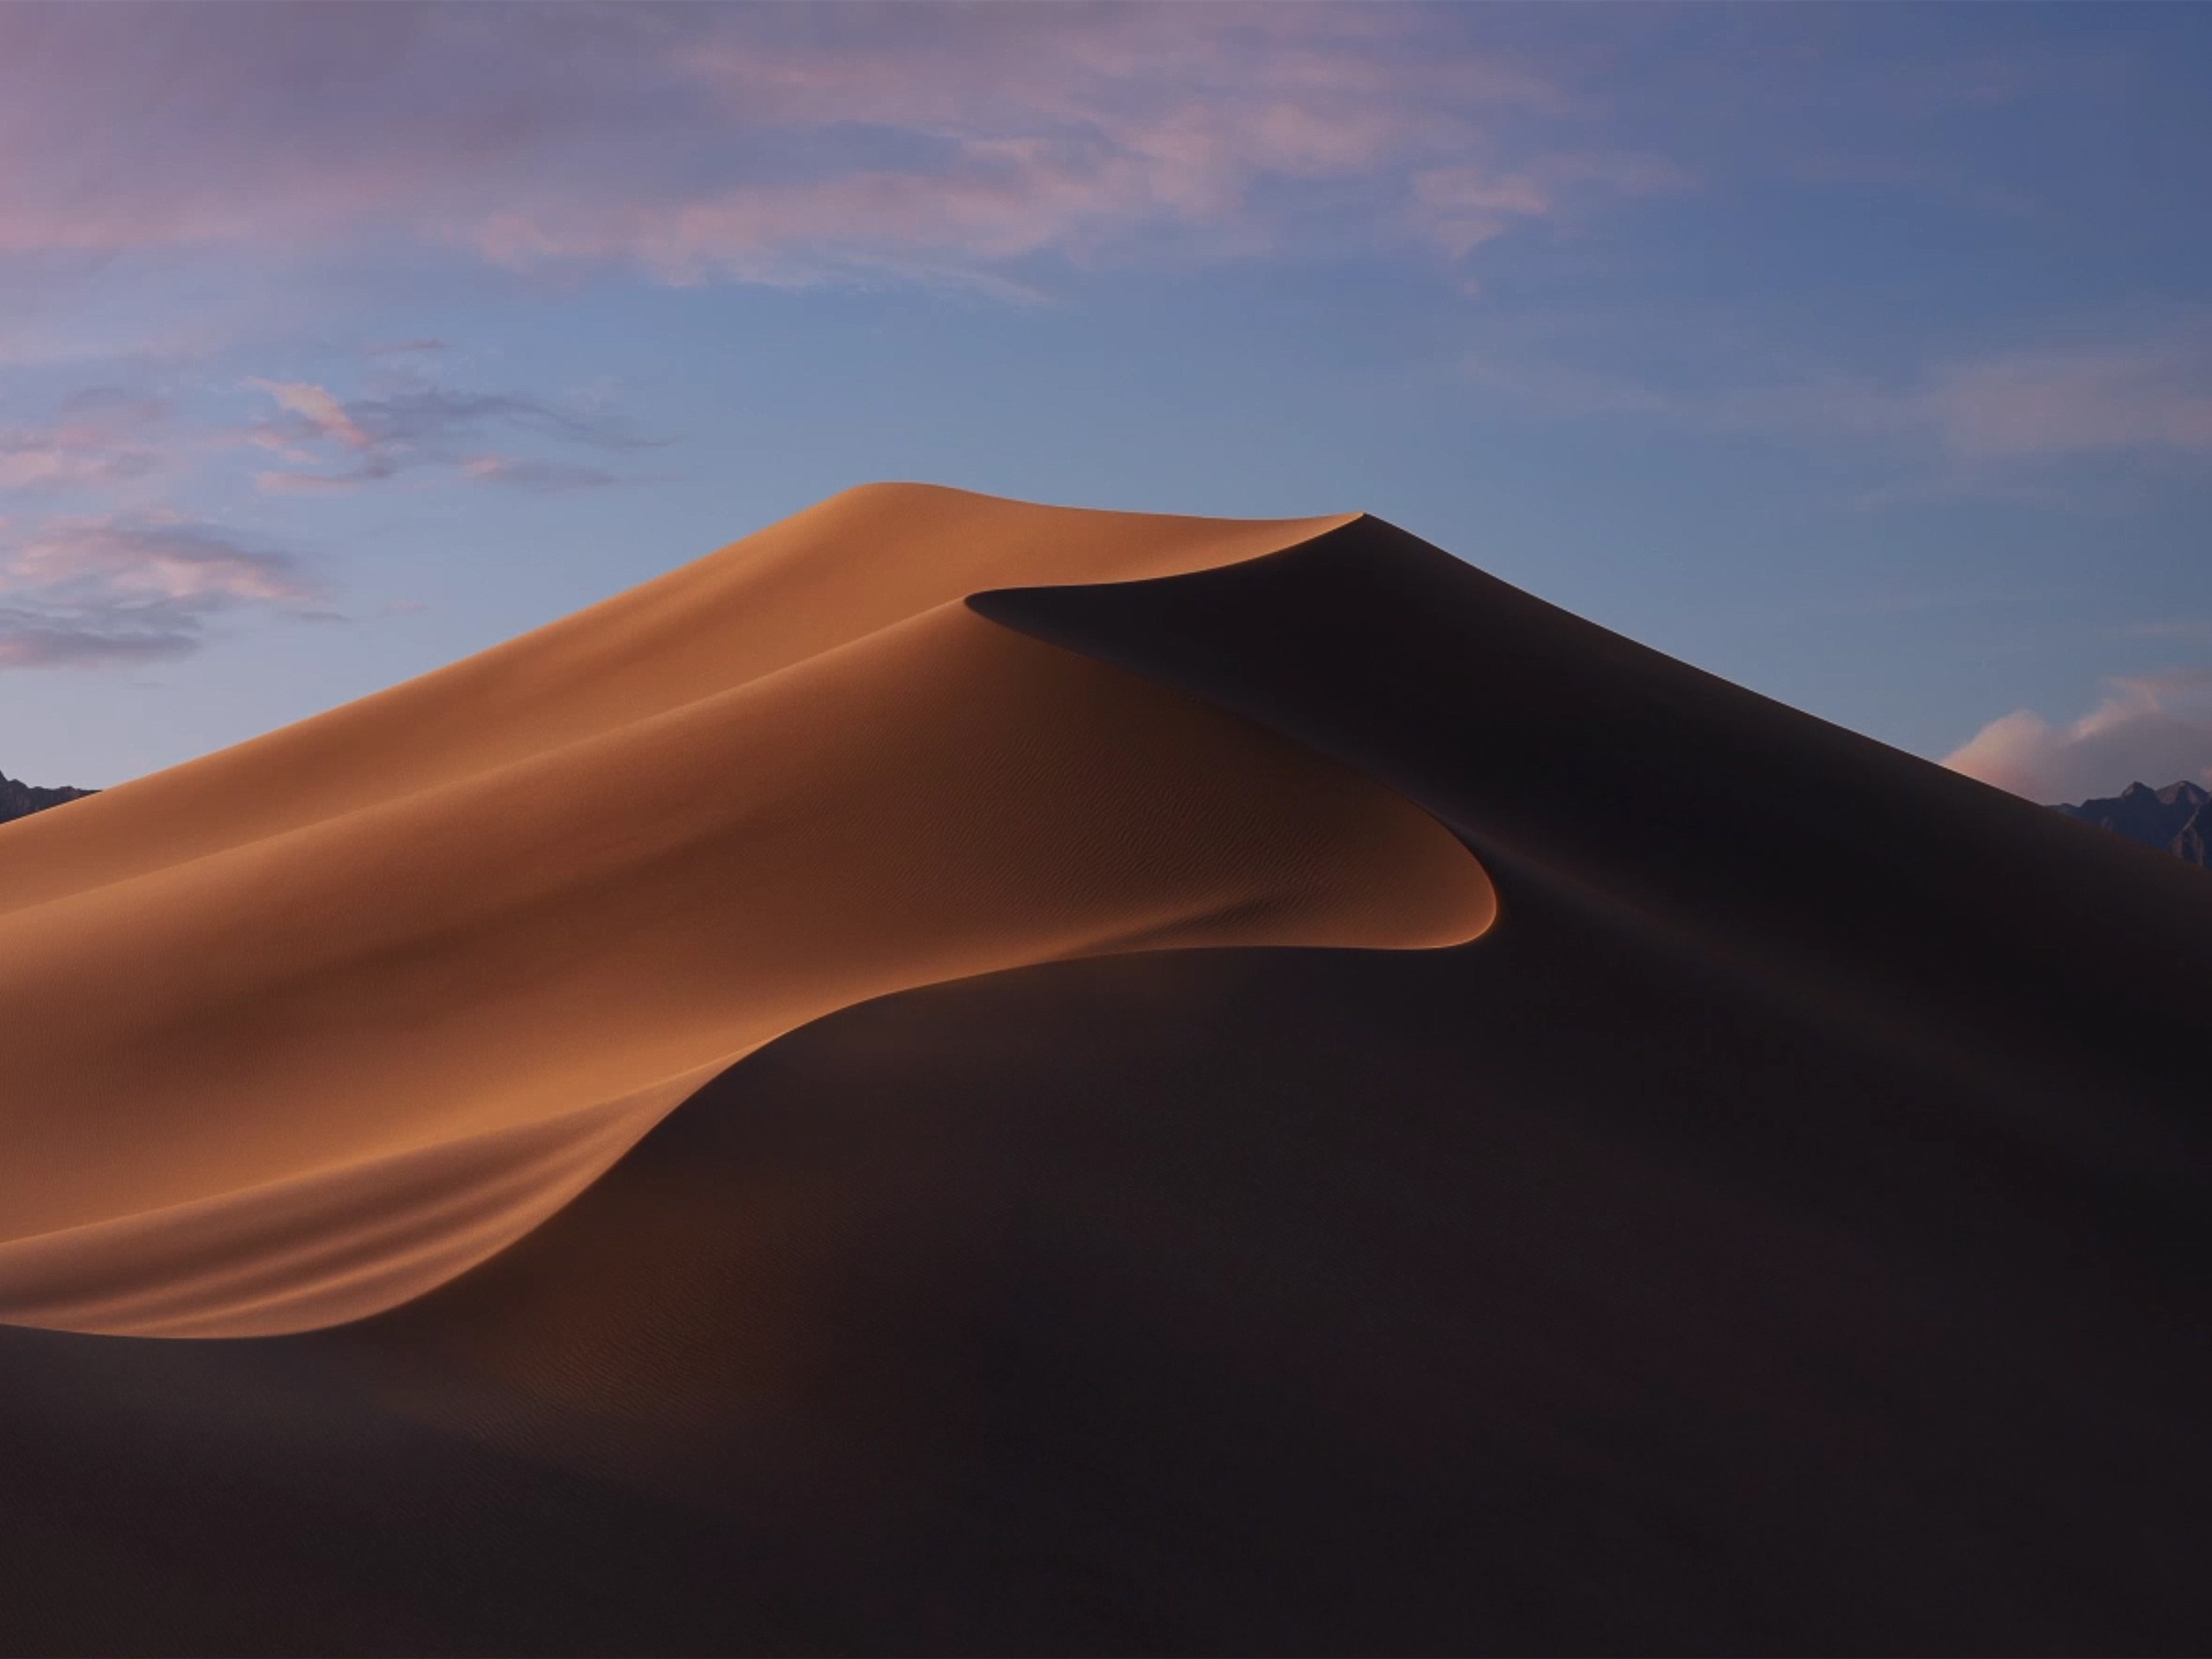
<point x="1783" y="1231"/>
<point x="313" y="1071"/>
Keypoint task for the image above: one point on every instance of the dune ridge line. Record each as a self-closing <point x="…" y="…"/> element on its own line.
<point x="304" y="1028"/>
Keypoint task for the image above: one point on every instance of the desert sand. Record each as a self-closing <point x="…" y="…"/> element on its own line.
<point x="300" y="1031"/>
<point x="698" y="1130"/>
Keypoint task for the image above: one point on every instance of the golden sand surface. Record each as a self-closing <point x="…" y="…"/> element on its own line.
<point x="298" y="1031"/>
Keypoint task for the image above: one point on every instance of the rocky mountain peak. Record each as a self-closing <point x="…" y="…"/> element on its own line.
<point x="2177" y="819"/>
<point x="19" y="800"/>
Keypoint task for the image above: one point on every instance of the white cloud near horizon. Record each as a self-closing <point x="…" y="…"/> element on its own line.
<point x="2150" y="729"/>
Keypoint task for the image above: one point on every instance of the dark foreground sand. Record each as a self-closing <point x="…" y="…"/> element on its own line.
<point x="1782" y="1229"/>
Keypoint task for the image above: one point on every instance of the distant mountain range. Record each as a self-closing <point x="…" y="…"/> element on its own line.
<point x="21" y="800"/>
<point x="2177" y="819"/>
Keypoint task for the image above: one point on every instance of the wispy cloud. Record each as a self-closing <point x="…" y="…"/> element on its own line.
<point x="2153" y="728"/>
<point x="784" y="146"/>
<point x="338" y="444"/>
<point x="1977" y="420"/>
<point x="102" y="568"/>
<point x="1461" y="206"/>
<point x="93" y="591"/>
<point x="2172" y="627"/>
<point x="421" y="345"/>
<point x="552" y="477"/>
<point x="317" y="414"/>
<point x="102" y="436"/>
<point x="2144" y="395"/>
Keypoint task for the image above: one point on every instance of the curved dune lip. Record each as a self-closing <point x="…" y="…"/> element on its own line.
<point x="242" y="1246"/>
<point x="231" y="1245"/>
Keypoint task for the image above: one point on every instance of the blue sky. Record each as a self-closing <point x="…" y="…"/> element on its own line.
<point x="1862" y="354"/>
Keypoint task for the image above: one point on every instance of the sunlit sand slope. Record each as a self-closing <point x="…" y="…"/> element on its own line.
<point x="836" y="573"/>
<point x="299" y="1031"/>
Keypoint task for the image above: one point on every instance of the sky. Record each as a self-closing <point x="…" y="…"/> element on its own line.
<point x="1861" y="355"/>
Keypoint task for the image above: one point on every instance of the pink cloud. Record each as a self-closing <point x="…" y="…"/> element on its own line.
<point x="1463" y="208"/>
<point x="2154" y="728"/>
<point x="2151" y="395"/>
<point x="413" y="425"/>
<point x="324" y="415"/>
<point x="160" y="556"/>
<point x="1977" y="419"/>
<point x="775" y="145"/>
<point x="123" y="588"/>
<point x="101" y="438"/>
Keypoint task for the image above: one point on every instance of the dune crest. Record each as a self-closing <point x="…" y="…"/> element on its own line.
<point x="301" y="1030"/>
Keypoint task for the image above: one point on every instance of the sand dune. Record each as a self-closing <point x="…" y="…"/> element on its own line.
<point x="1782" y="1227"/>
<point x="404" y="979"/>
<point x="857" y="563"/>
